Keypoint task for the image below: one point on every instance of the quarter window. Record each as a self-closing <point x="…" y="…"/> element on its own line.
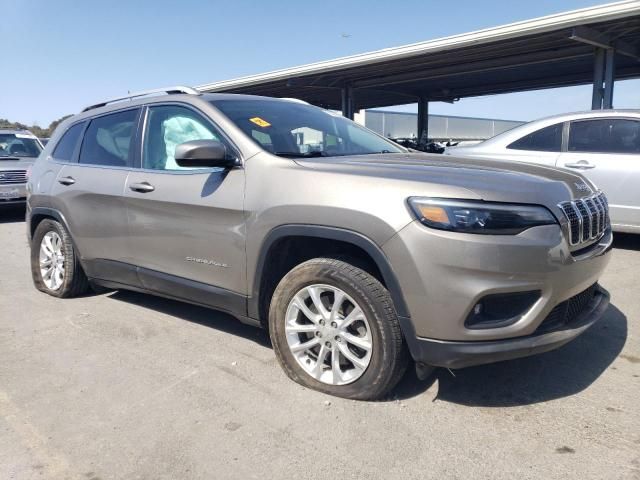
<point x="548" y="139"/>
<point x="107" y="140"/>
<point x="167" y="127"/>
<point x="67" y="144"/>
<point x="605" y="136"/>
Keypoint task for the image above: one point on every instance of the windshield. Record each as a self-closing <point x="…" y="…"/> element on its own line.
<point x="292" y="129"/>
<point x="19" y="145"/>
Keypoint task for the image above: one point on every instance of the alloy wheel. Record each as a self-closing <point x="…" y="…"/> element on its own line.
<point x="328" y="334"/>
<point x="52" y="260"/>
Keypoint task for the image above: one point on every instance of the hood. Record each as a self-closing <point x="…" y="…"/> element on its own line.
<point x="488" y="180"/>
<point x="16" y="163"/>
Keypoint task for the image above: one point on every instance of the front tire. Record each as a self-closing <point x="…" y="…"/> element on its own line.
<point x="55" y="267"/>
<point x="334" y="329"/>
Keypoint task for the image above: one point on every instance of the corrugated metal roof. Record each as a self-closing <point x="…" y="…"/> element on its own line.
<point x="538" y="53"/>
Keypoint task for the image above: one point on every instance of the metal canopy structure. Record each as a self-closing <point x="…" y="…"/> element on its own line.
<point x="591" y="45"/>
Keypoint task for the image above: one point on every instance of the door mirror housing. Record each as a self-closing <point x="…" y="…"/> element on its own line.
<point x="203" y="154"/>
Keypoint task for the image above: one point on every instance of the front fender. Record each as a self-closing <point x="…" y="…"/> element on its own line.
<point x="329" y="233"/>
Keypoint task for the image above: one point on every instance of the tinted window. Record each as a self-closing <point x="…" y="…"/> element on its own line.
<point x="293" y="129"/>
<point x="67" y="144"/>
<point x="548" y="139"/>
<point x="167" y="127"/>
<point x="107" y="140"/>
<point x="605" y="136"/>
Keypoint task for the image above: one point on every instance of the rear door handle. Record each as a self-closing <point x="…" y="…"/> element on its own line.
<point x="581" y="165"/>
<point x="142" y="187"/>
<point x="66" y="181"/>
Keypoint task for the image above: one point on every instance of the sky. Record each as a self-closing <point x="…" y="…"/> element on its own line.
<point x="62" y="55"/>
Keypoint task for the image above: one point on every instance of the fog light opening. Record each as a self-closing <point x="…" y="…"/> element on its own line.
<point x="501" y="309"/>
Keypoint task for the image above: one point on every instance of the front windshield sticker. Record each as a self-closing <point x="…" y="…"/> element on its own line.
<point x="260" y="122"/>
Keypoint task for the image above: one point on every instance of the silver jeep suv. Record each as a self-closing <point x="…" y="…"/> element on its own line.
<point x="18" y="150"/>
<point x="357" y="254"/>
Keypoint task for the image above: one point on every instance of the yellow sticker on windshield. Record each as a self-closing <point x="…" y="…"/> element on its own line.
<point x="260" y="122"/>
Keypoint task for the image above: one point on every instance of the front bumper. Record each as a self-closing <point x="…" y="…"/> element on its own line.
<point x="11" y="194"/>
<point x="444" y="276"/>
<point x="451" y="354"/>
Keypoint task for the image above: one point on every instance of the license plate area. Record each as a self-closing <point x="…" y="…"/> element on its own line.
<point x="9" y="193"/>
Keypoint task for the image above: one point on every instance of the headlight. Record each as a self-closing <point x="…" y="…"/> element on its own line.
<point x="479" y="217"/>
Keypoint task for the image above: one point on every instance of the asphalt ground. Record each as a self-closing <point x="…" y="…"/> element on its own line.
<point x="128" y="386"/>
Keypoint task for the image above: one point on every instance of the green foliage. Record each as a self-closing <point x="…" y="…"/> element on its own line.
<point x="35" y="129"/>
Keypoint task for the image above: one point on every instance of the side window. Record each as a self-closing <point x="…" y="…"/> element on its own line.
<point x="67" y="144"/>
<point x="548" y="139"/>
<point x="107" y="140"/>
<point x="605" y="135"/>
<point x="167" y="127"/>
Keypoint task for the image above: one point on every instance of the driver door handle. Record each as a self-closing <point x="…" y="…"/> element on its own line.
<point x="66" y="181"/>
<point x="142" y="187"/>
<point x="581" y="165"/>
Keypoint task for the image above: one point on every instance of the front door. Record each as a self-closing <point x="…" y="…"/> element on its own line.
<point x="607" y="152"/>
<point x="186" y="225"/>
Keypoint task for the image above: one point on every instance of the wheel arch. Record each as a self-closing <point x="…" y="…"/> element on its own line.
<point x="38" y="214"/>
<point x="331" y="234"/>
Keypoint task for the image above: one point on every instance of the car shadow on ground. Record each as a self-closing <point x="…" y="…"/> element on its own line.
<point x="540" y="378"/>
<point x="192" y="313"/>
<point x="626" y="241"/>
<point x="11" y="214"/>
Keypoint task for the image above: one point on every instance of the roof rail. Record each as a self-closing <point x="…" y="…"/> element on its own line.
<point x="131" y="96"/>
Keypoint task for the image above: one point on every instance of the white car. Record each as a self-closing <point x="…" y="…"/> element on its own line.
<point x="603" y="145"/>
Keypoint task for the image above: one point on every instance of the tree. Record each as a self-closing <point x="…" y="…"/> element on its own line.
<point x="35" y="129"/>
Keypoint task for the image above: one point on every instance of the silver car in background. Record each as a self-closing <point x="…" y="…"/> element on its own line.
<point x="18" y="150"/>
<point x="602" y="145"/>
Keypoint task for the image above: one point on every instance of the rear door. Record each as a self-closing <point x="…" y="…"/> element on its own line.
<point x="186" y="225"/>
<point x="88" y="192"/>
<point x="607" y="151"/>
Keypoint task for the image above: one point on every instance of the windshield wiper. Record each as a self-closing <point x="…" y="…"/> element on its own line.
<point x="300" y="155"/>
<point x="377" y="153"/>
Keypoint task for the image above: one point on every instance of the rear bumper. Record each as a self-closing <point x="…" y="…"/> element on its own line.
<point x="454" y="354"/>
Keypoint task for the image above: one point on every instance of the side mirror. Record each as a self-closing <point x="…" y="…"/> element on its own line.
<point x="203" y="154"/>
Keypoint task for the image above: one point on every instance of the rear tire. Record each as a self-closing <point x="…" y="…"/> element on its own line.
<point x="55" y="267"/>
<point x="334" y="329"/>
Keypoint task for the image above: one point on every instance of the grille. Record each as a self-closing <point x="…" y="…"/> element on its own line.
<point x="569" y="310"/>
<point x="588" y="218"/>
<point x="10" y="177"/>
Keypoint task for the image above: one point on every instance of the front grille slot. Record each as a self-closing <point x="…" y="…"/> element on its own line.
<point x="12" y="177"/>
<point x="594" y="212"/>
<point x="587" y="217"/>
<point x="568" y="311"/>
